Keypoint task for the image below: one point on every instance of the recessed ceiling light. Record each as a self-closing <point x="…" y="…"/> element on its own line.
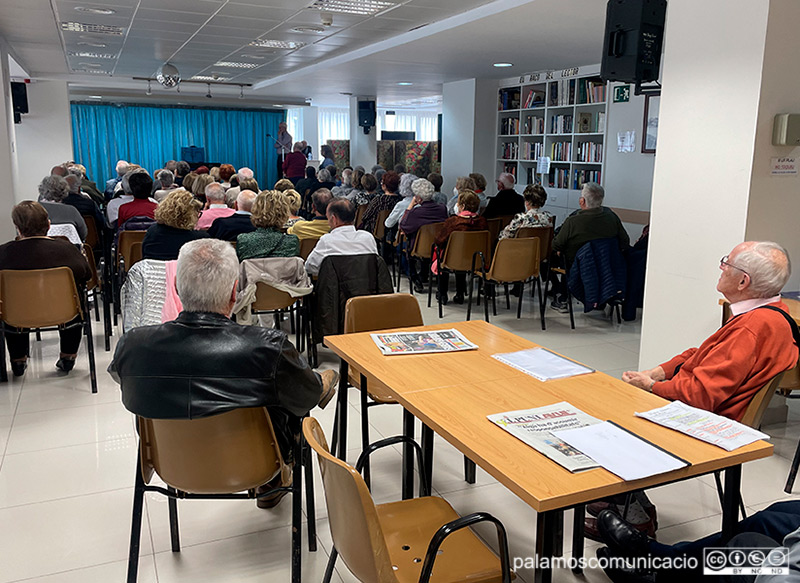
<point x="277" y="44"/>
<point x="92" y="10"/>
<point x="94" y="28"/>
<point x="404" y="83"/>
<point x="92" y="71"/>
<point x="90" y="55"/>
<point x="500" y="65"/>
<point x="95" y="97"/>
<point x="94" y="45"/>
<point x="363" y="7"/>
<point x="233" y="65"/>
<point x="277" y="105"/>
<point x="91" y="65"/>
<point x="249" y="56"/>
<point x="308" y="29"/>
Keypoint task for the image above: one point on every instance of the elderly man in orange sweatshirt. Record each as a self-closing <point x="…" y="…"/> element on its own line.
<point x="756" y="344"/>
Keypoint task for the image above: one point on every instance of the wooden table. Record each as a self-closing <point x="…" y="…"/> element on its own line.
<point x="453" y="393"/>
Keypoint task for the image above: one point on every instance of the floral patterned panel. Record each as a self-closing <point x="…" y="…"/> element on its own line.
<point x="418" y="157"/>
<point x="341" y="153"/>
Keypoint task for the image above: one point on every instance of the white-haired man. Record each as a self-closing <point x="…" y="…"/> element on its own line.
<point x="204" y="364"/>
<point x="507" y="201"/>
<point x="242" y="174"/>
<point x="111" y="185"/>
<point x="215" y="207"/>
<point x="229" y="228"/>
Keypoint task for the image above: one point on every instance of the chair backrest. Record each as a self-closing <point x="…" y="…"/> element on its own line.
<point x="38" y="298"/>
<point x="269" y="298"/>
<point x="759" y="403"/>
<point x="505" y="220"/>
<point x="65" y="230"/>
<point x="545" y="236"/>
<point x="225" y="453"/>
<point x="379" y="230"/>
<point x="307" y="246"/>
<point x="360" y="213"/>
<point x="92" y="233"/>
<point x="94" y="281"/>
<point x="126" y="240"/>
<point x="461" y="245"/>
<point x="381" y="312"/>
<point x="515" y="260"/>
<point x="424" y="240"/>
<point x="494" y="226"/>
<point x="134" y="255"/>
<point x="353" y="519"/>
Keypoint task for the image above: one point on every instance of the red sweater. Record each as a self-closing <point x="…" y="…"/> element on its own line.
<point x="729" y="368"/>
<point x="138" y="207"/>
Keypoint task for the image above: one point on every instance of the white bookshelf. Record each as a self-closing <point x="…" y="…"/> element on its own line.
<point x="559" y="114"/>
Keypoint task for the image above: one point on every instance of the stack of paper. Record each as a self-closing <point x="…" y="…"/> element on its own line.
<point x="542" y="364"/>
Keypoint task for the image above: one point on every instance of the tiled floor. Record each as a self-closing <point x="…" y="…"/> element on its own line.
<point x="67" y="461"/>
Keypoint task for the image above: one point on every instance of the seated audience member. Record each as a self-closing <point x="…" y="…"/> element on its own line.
<point x="111" y="185"/>
<point x="535" y="196"/>
<point x="324" y="180"/>
<point x="465" y="219"/>
<point x="171" y="165"/>
<point x="318" y="225"/>
<point x="82" y="202"/>
<point x="199" y="186"/>
<point x="229" y="228"/>
<point x="327" y="156"/>
<point x="765" y="529"/>
<point x="399" y="169"/>
<point x="346" y="186"/>
<point x="294" y="206"/>
<point x="182" y="169"/>
<point x="270" y="211"/>
<point x="306" y="150"/>
<point x="52" y="192"/>
<point x="462" y="183"/>
<point x="34" y="250"/>
<point x="303" y="185"/>
<point x="365" y="193"/>
<point x="202" y="170"/>
<point x="407" y="195"/>
<point x="142" y="205"/>
<point x="214" y="172"/>
<point x="123" y="196"/>
<point x="188" y="181"/>
<point x="203" y="363"/>
<point x="86" y="185"/>
<point x="294" y="164"/>
<point x="166" y="184"/>
<point x="215" y="206"/>
<point x="243" y="173"/>
<point x="283" y="185"/>
<point x="438" y="196"/>
<point x="175" y="218"/>
<point x="421" y="210"/>
<point x="507" y="201"/>
<point x="225" y="173"/>
<point x="343" y="239"/>
<point x="480" y="187"/>
<point x="384" y="202"/>
<point x="731" y="365"/>
<point x="355" y="182"/>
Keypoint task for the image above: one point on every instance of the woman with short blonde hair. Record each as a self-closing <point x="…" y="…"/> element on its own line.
<point x="270" y="212"/>
<point x="295" y="202"/>
<point x="176" y="218"/>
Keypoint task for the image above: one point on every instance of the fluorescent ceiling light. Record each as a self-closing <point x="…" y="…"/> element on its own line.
<point x="503" y="65"/>
<point x="362" y="7"/>
<point x="91" y="65"/>
<point x="90" y="55"/>
<point x="91" y="10"/>
<point x="209" y="78"/>
<point x="95" y="28"/>
<point x="404" y="83"/>
<point x="95" y="97"/>
<point x="95" y="45"/>
<point x="92" y="71"/>
<point x="233" y="65"/>
<point x="277" y="44"/>
<point x="308" y="29"/>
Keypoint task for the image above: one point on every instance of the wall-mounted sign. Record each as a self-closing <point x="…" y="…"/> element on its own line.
<point x="783" y="166"/>
<point x="622" y="93"/>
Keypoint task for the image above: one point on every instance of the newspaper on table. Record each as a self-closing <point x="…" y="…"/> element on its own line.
<point x="542" y="364"/>
<point x="703" y="425"/>
<point x="535" y="427"/>
<point x="422" y="342"/>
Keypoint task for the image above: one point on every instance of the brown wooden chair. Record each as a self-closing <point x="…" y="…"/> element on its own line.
<point x="494" y="226"/>
<point x="401" y="542"/>
<point x="465" y="251"/>
<point x="307" y="246"/>
<point x="270" y="300"/>
<point x="134" y="255"/>
<point x="225" y="456"/>
<point x="95" y="285"/>
<point x="423" y="250"/>
<point x="92" y="232"/>
<point x="124" y="247"/>
<point x="545" y="236"/>
<point x="360" y="213"/>
<point x="514" y="261"/>
<point x="43" y="299"/>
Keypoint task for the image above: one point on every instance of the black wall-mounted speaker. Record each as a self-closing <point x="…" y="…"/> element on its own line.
<point x="19" y="97"/>
<point x="633" y="40"/>
<point x="366" y="114"/>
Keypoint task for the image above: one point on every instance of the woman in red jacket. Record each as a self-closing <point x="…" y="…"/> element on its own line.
<point x="294" y="165"/>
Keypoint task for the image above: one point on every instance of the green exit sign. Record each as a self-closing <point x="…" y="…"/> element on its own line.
<point x="622" y="93"/>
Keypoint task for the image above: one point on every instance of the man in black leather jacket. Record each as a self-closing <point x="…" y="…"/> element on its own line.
<point x="203" y="363"/>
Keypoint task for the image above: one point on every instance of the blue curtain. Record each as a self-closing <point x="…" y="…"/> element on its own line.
<point x="149" y="136"/>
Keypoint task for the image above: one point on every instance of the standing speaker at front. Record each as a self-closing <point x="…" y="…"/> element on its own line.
<point x="633" y="40"/>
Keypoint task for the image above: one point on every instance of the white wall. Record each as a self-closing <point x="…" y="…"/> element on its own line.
<point x="363" y="147"/>
<point x="311" y="130"/>
<point x="44" y="138"/>
<point x="701" y="185"/>
<point x="7" y="148"/>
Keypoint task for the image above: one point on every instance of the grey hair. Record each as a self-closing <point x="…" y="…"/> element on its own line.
<point x="53" y="189"/>
<point x="324" y="176"/>
<point x="593" y="194"/>
<point x="74" y="182"/>
<point x="768" y="266"/>
<point x="215" y="192"/>
<point x="376" y="168"/>
<point x="245" y="200"/>
<point x="206" y="273"/>
<point x="422" y="188"/>
<point x="405" y="184"/>
<point x="77" y="169"/>
<point x="244" y="173"/>
<point x="507" y="180"/>
<point x="122" y="167"/>
<point x="126" y="187"/>
<point x="346" y="175"/>
<point x="166" y="178"/>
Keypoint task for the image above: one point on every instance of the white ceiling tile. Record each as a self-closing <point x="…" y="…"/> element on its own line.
<point x="258" y="10"/>
<point x="198" y="6"/>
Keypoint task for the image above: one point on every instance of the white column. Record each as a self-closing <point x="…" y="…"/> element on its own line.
<point x="363" y="147"/>
<point x="7" y="152"/>
<point x="712" y="187"/>
<point x="468" y="120"/>
<point x="44" y="138"/>
<point x="311" y="130"/>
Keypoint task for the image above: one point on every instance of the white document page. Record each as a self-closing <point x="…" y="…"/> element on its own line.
<point x="620" y="452"/>
<point x="542" y="364"/>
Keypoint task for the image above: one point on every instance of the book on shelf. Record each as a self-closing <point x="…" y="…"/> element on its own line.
<point x="509" y="150"/>
<point x="509" y="126"/>
<point x="600" y="127"/>
<point x="558" y="177"/>
<point x="534" y="124"/>
<point x="508" y="99"/>
<point x="580" y="177"/>
<point x="532" y="150"/>
<point x="561" y="124"/>
<point x="561" y="151"/>
<point x="591" y="91"/>
<point x="511" y="168"/>
<point x="589" y="152"/>
<point x="534" y="98"/>
<point x="585" y="123"/>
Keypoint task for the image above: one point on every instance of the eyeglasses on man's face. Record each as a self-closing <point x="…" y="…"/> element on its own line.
<point x="724" y="261"/>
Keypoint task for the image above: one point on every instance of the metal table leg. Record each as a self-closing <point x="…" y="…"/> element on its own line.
<point x="730" y="501"/>
<point x="341" y="413"/>
<point x="578" y="520"/>
<point x="545" y="539"/>
<point x="427" y="456"/>
<point x="408" y="457"/>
